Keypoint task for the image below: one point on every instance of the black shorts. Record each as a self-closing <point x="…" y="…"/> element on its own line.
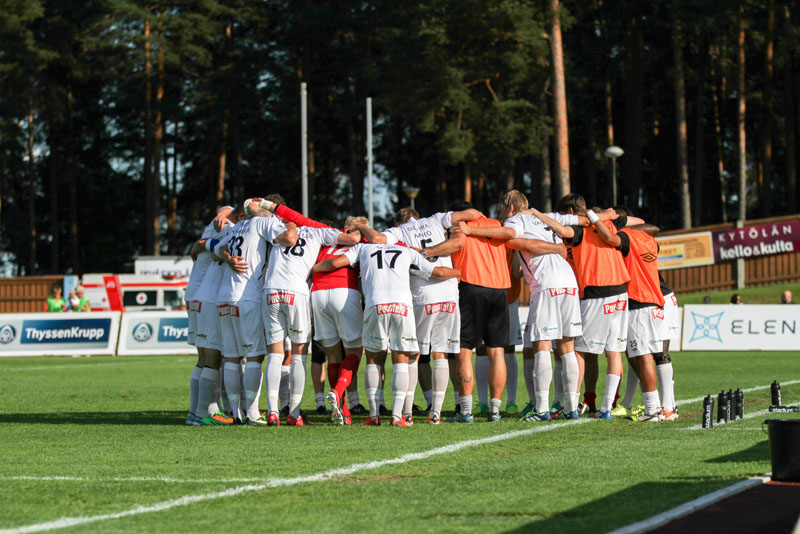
<point x="425" y="358"/>
<point x="317" y="353"/>
<point x="484" y="316"/>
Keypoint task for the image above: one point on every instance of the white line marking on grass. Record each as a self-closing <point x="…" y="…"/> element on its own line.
<point x="690" y="507"/>
<point x="723" y="425"/>
<point x="131" y="479"/>
<point x="748" y="390"/>
<point x="66" y="522"/>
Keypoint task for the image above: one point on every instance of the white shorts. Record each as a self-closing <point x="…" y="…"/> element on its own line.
<point x="438" y="327"/>
<point x="287" y="314"/>
<point x="514" y="328"/>
<point x="554" y="313"/>
<point x="241" y="329"/>
<point x="670" y="327"/>
<point x="605" y="325"/>
<point x="389" y="326"/>
<point x="192" y="310"/>
<point x="644" y="325"/>
<point x="337" y="316"/>
<point x="208" y="336"/>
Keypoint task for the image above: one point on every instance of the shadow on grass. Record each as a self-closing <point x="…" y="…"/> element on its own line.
<point x="757" y="453"/>
<point x="641" y="500"/>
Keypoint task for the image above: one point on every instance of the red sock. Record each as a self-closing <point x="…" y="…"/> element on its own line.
<point x="346" y="370"/>
<point x="589" y="398"/>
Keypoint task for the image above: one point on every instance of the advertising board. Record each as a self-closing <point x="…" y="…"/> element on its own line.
<point x="741" y="327"/>
<point x="39" y="334"/>
<point x="154" y="333"/>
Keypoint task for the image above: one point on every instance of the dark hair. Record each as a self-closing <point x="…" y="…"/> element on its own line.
<point x="623" y="210"/>
<point x="460" y="205"/>
<point x="572" y="201"/>
<point x="276" y="198"/>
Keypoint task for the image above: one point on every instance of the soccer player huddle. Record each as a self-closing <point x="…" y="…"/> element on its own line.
<point x="267" y="280"/>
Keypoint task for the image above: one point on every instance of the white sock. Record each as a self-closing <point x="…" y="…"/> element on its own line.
<point x="319" y="398"/>
<point x="558" y="381"/>
<point x="194" y="381"/>
<point x="214" y="402"/>
<point x="666" y="385"/>
<point x="440" y="379"/>
<point x="494" y="405"/>
<point x="273" y="377"/>
<point x="457" y="398"/>
<point x="379" y="396"/>
<point x="466" y="404"/>
<point x="569" y="378"/>
<point x="233" y="387"/>
<point x="205" y="391"/>
<point x="352" y="398"/>
<point x="651" y="402"/>
<point x="372" y="379"/>
<point x="612" y="381"/>
<point x="631" y="385"/>
<point x="527" y="370"/>
<point x="399" y="388"/>
<point x="285" y="381"/>
<point x="413" y="376"/>
<point x="297" y="383"/>
<point x="482" y="378"/>
<point x="252" y="387"/>
<point x="543" y="375"/>
<point x="512" y="376"/>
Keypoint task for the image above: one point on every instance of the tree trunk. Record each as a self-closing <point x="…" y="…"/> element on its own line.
<point x="715" y="98"/>
<point x="547" y="181"/>
<point x="742" y="153"/>
<point x="680" y="122"/>
<point x="150" y="199"/>
<point x="74" y="242"/>
<point x="31" y="196"/>
<point x="765" y="178"/>
<point x="791" y="125"/>
<point x="634" y="111"/>
<point x="54" y="194"/>
<point x="467" y="183"/>
<point x="559" y="102"/>
<point x="158" y="137"/>
<point x="698" y="184"/>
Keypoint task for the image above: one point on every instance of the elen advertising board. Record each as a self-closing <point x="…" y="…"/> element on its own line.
<point x="741" y="327"/>
<point x="39" y="334"/>
<point x="154" y="333"/>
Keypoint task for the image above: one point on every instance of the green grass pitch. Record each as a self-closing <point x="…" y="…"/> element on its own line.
<point x="102" y="440"/>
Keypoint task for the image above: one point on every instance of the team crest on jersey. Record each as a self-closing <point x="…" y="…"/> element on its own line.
<point x="224" y="310"/>
<point x="195" y="306"/>
<point x="280" y="297"/>
<point x="612" y="307"/>
<point x="392" y="307"/>
<point x="554" y="292"/>
<point x="658" y="313"/>
<point x="649" y="257"/>
<point x="440" y="307"/>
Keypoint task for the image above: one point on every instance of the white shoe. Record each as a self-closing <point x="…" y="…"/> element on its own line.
<point x="652" y="418"/>
<point x="336" y="413"/>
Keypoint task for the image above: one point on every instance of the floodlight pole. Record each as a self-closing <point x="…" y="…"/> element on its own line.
<point x="613" y="152"/>
<point x="304" y="146"/>
<point x="369" y="160"/>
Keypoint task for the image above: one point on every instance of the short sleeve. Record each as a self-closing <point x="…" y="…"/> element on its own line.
<point x="353" y="252"/>
<point x="517" y="224"/>
<point x="419" y="265"/>
<point x="620" y="222"/>
<point x="393" y="235"/>
<point x="625" y="244"/>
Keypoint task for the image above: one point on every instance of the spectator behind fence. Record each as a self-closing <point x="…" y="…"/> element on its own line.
<point x="736" y="298"/>
<point x="82" y="303"/>
<point x="55" y="302"/>
<point x="707" y="299"/>
<point x="786" y="298"/>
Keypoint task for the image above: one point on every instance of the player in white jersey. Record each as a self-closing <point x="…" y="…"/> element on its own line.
<point x="206" y="358"/>
<point x="287" y="312"/>
<point x="554" y="304"/>
<point x="438" y="319"/>
<point x="388" y="313"/>
<point x="241" y="296"/>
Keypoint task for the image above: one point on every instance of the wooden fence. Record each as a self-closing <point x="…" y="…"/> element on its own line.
<point x="26" y="294"/>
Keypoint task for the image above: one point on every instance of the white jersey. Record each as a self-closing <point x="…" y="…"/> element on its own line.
<point x="203" y="261"/>
<point x="289" y="267"/>
<point x="548" y="270"/>
<point x="424" y="233"/>
<point x="216" y="270"/>
<point x="249" y="239"/>
<point x="385" y="272"/>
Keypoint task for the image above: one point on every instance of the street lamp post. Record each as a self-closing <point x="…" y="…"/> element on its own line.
<point x="411" y="192"/>
<point x="613" y="152"/>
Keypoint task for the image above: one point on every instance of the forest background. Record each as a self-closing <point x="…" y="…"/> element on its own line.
<point x="124" y="123"/>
